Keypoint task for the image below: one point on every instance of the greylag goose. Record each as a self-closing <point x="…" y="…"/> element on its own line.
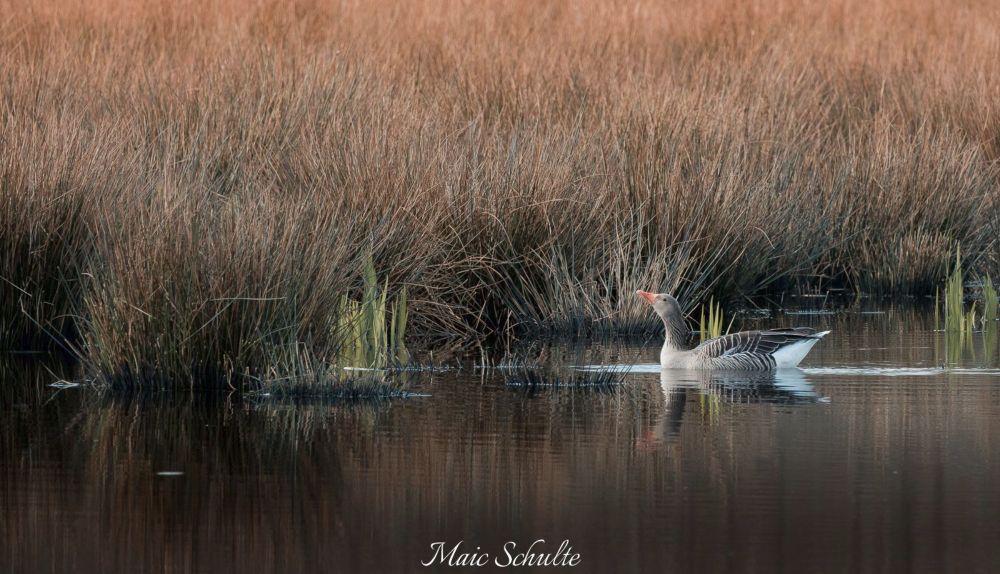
<point x="745" y="351"/>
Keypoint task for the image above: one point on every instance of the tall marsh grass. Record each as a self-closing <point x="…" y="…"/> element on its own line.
<point x="185" y="188"/>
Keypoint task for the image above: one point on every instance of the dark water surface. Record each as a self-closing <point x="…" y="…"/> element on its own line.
<point x="873" y="458"/>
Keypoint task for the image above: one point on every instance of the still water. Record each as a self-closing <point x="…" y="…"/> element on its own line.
<point x="876" y="456"/>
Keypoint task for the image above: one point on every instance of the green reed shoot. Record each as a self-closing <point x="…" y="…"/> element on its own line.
<point x="937" y="308"/>
<point x="959" y="324"/>
<point x="365" y="333"/>
<point x="989" y="302"/>
<point x="990" y="327"/>
<point x="712" y="326"/>
<point x="398" y="327"/>
<point x="955" y="317"/>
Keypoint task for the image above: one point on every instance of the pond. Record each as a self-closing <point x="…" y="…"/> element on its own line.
<point x="882" y="453"/>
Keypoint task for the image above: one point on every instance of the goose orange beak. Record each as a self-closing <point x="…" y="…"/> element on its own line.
<point x="649" y="297"/>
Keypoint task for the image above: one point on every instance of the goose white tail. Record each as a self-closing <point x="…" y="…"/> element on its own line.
<point x="792" y="355"/>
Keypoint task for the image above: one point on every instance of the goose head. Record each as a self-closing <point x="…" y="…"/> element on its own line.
<point x="663" y="304"/>
<point x="669" y="310"/>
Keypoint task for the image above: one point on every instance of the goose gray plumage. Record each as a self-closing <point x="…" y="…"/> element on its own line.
<point x="744" y="351"/>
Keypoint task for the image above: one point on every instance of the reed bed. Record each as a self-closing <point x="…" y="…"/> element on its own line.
<point x="189" y="190"/>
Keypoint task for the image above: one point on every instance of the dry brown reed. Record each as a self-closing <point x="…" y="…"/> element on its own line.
<point x="186" y="187"/>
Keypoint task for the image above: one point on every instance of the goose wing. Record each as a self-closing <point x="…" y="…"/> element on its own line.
<point x="751" y="349"/>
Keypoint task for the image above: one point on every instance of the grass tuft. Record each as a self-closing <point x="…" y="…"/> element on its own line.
<point x="367" y="334"/>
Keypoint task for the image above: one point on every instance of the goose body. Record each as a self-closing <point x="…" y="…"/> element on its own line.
<point x="745" y="351"/>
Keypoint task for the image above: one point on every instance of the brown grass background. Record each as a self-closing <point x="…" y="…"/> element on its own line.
<point x="186" y="187"/>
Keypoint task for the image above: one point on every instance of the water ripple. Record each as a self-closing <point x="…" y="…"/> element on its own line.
<point x="898" y="371"/>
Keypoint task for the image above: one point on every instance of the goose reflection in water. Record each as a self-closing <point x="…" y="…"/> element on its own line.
<point x="783" y="386"/>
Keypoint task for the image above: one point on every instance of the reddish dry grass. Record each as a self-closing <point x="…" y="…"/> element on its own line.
<point x="186" y="185"/>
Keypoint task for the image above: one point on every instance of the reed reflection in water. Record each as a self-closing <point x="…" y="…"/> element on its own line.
<point x="871" y="458"/>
